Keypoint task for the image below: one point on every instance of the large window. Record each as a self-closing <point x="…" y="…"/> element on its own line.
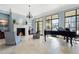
<point x="39" y="25"/>
<point x="48" y="23"/>
<point x="54" y="22"/>
<point x="77" y="21"/>
<point x="70" y="20"/>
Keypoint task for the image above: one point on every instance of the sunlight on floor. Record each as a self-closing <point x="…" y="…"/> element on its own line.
<point x="53" y="45"/>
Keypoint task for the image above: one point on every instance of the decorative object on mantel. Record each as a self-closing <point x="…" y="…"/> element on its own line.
<point x="14" y="21"/>
<point x="26" y="22"/>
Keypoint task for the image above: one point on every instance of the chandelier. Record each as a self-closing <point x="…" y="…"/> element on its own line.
<point x="29" y="14"/>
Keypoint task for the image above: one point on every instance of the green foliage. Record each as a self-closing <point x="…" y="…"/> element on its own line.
<point x="14" y="21"/>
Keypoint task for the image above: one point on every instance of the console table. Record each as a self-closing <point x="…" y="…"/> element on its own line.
<point x="2" y="36"/>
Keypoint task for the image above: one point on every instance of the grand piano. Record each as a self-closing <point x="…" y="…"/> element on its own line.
<point x="66" y="33"/>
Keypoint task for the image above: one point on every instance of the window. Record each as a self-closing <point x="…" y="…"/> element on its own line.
<point x="70" y="13"/>
<point x="39" y="25"/>
<point x="70" y="20"/>
<point x="54" y="22"/>
<point x="48" y="22"/>
<point x="77" y="21"/>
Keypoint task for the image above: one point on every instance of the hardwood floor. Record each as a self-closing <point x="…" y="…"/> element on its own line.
<point x="39" y="46"/>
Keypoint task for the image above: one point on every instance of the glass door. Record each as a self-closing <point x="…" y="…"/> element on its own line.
<point x="55" y="24"/>
<point x="39" y="26"/>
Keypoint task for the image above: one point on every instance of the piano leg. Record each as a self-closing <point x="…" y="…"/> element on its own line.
<point x="45" y="38"/>
<point x="67" y="39"/>
<point x="64" y="37"/>
<point x="71" y="41"/>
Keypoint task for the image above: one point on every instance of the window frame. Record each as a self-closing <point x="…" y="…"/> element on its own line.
<point x="55" y="19"/>
<point x="49" y="20"/>
<point x="71" y="16"/>
<point x="37" y="21"/>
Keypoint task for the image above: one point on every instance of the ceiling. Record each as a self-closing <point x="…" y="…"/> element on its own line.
<point x="36" y="9"/>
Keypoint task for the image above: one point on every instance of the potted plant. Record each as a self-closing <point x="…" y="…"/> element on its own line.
<point x="14" y="21"/>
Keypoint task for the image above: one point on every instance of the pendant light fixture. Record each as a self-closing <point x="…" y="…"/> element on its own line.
<point x="29" y="12"/>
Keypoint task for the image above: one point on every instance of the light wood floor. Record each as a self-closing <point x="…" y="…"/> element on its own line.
<point x="39" y="46"/>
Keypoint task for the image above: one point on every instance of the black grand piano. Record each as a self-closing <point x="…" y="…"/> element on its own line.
<point x="66" y="33"/>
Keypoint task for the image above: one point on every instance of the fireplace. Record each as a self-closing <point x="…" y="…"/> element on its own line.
<point x="20" y="31"/>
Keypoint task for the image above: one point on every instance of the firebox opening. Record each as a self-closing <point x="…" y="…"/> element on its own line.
<point x="20" y="31"/>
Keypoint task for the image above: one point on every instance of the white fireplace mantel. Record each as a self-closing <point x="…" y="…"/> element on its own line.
<point x="21" y="26"/>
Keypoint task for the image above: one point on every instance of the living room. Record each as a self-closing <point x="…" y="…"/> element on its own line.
<point x="22" y="28"/>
